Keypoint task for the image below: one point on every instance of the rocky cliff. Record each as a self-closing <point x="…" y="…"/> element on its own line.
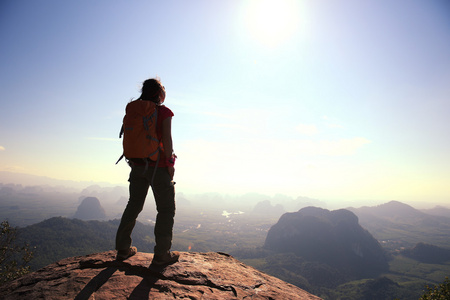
<point x="331" y="237"/>
<point x="195" y="276"/>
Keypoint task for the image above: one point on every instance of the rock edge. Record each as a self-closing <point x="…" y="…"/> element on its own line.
<point x="211" y="275"/>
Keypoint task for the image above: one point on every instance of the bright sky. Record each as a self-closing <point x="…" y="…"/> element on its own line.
<point x="335" y="100"/>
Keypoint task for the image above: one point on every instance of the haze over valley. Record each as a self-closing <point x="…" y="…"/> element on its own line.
<point x="40" y="198"/>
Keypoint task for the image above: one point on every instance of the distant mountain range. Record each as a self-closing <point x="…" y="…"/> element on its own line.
<point x="26" y="205"/>
<point x="34" y="180"/>
<point x="265" y="208"/>
<point x="393" y="210"/>
<point x="398" y="225"/>
<point x="438" y="211"/>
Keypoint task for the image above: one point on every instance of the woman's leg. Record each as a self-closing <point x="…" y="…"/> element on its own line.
<point x="164" y="192"/>
<point x="139" y="185"/>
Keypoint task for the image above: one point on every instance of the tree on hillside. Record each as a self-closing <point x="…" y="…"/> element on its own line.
<point x="13" y="258"/>
<point x="439" y="292"/>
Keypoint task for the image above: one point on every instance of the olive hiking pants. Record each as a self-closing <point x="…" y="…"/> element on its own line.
<point x="164" y="193"/>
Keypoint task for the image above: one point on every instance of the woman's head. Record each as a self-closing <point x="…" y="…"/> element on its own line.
<point x="153" y="90"/>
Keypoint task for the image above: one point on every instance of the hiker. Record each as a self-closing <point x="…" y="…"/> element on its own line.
<point x="157" y="173"/>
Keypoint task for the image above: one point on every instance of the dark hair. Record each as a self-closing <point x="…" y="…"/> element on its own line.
<point x="151" y="89"/>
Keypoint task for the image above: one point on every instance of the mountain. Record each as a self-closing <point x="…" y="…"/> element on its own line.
<point x="58" y="237"/>
<point x="90" y="209"/>
<point x="196" y="276"/>
<point x="266" y="208"/>
<point x="427" y="253"/>
<point x="334" y="238"/>
<point x="398" y="225"/>
<point x="393" y="210"/>
<point x="398" y="212"/>
<point x="32" y="180"/>
<point x="438" y="211"/>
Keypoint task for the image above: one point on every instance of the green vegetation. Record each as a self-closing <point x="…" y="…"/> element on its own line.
<point x="13" y="258"/>
<point x="404" y="270"/>
<point x="376" y="289"/>
<point x="58" y="238"/>
<point x="439" y="292"/>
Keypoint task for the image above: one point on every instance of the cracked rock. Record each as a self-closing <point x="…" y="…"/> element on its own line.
<point x="196" y="276"/>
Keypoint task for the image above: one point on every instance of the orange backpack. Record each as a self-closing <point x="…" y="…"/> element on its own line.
<point x="139" y="131"/>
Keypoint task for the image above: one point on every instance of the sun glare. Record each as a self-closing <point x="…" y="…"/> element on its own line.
<point x="272" y="21"/>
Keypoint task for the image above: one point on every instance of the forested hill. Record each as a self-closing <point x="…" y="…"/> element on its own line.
<point x="333" y="238"/>
<point x="59" y="237"/>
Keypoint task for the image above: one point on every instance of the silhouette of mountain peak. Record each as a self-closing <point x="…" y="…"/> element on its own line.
<point x="394" y="209"/>
<point x="331" y="237"/>
<point x="335" y="216"/>
<point x="90" y="209"/>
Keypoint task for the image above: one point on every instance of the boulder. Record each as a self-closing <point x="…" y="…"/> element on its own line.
<point x="196" y="276"/>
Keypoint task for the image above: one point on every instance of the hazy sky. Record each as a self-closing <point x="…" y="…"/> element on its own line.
<point x="335" y="100"/>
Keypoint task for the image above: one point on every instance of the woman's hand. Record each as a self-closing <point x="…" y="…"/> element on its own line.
<point x="171" y="170"/>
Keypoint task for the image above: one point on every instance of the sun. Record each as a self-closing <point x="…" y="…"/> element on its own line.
<point x="272" y="22"/>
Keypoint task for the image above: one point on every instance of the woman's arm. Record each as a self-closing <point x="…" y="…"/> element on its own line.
<point x="167" y="142"/>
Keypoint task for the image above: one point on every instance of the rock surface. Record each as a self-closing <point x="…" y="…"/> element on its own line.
<point x="196" y="276"/>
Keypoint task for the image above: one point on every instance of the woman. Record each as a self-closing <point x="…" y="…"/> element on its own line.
<point x="145" y="173"/>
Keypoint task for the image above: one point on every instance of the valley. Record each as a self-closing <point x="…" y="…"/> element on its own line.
<point x="212" y="222"/>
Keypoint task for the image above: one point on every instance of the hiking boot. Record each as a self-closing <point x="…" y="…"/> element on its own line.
<point x="124" y="254"/>
<point x="167" y="258"/>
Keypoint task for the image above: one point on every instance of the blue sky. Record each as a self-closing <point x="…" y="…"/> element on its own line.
<point x="335" y="100"/>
